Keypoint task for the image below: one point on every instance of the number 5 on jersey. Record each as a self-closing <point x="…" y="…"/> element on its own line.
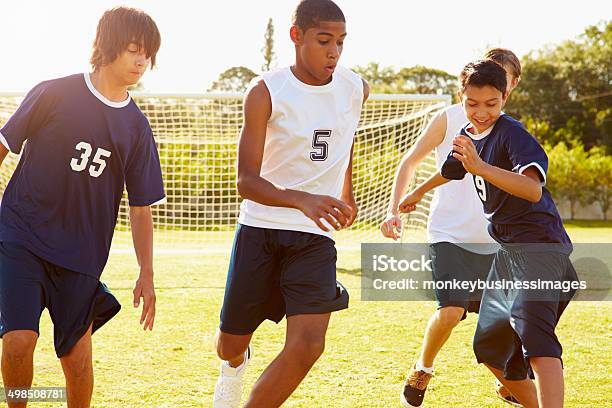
<point x="320" y="145"/>
<point x="81" y="163"/>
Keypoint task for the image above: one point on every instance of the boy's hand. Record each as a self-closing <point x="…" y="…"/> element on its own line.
<point x="350" y="200"/>
<point x="318" y="207"/>
<point x="391" y="227"/>
<point x="145" y="289"/>
<point x="409" y="201"/>
<point x="465" y="151"/>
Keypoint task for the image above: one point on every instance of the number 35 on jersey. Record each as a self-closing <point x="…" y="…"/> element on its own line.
<point x="98" y="164"/>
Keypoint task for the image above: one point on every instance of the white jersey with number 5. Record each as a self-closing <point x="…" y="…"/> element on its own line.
<point x="308" y="143"/>
<point x="456" y="213"/>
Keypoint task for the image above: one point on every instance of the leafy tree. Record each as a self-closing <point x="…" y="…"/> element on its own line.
<point x="424" y="80"/>
<point x="417" y="79"/>
<point x="268" y="48"/>
<point x="599" y="190"/>
<point x="235" y="79"/>
<point x="567" y="176"/>
<point x="569" y="88"/>
<point x="380" y="79"/>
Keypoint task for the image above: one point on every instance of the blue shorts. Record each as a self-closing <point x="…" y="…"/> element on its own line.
<point x="273" y="273"/>
<point x="28" y="284"/>
<point x="451" y="262"/>
<point x="517" y="324"/>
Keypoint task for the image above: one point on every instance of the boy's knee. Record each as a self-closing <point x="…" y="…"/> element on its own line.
<point x="450" y="316"/>
<point x="19" y="344"/>
<point x="229" y="349"/>
<point x="307" y="350"/>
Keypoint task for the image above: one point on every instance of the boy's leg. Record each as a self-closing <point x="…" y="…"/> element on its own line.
<point x="535" y="315"/>
<point x="17" y="360"/>
<point x="78" y="370"/>
<point x="549" y="381"/>
<point x="78" y="306"/>
<point x="310" y="292"/>
<point x="439" y="329"/>
<point x="523" y="390"/>
<point x="231" y="347"/>
<point x="451" y="262"/>
<point x="304" y="344"/>
<point x="22" y="300"/>
<point x="252" y="295"/>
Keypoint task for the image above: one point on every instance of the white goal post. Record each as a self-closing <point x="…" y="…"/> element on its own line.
<point x="197" y="138"/>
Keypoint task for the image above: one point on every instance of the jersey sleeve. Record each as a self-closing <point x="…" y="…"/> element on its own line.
<point x="524" y="152"/>
<point x="27" y="119"/>
<point x="452" y="168"/>
<point x="143" y="177"/>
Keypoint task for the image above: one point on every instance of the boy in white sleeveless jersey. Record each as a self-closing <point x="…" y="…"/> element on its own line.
<point x="460" y="246"/>
<point x="294" y="173"/>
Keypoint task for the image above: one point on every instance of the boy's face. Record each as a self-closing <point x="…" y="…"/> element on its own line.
<point x="130" y="65"/>
<point x="482" y="105"/>
<point x="319" y="48"/>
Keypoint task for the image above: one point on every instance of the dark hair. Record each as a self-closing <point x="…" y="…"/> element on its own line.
<point x="309" y="13"/>
<point x="482" y="73"/>
<point x="119" y="27"/>
<point x="506" y="59"/>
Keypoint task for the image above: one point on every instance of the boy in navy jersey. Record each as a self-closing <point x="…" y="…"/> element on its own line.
<point x="82" y="139"/>
<point x="515" y="336"/>
<point x="294" y="173"/>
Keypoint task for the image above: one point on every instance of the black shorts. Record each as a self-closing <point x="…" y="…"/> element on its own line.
<point x="517" y="324"/>
<point x="273" y="273"/>
<point x="451" y="262"/>
<point x="28" y="284"/>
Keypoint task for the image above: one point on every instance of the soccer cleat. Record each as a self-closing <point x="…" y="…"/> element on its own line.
<point x="414" y="389"/>
<point x="228" y="389"/>
<point x="504" y="393"/>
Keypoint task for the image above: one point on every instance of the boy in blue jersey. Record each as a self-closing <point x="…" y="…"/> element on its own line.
<point x="515" y="336"/>
<point x="82" y="139"/>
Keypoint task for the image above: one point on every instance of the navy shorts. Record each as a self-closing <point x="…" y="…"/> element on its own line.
<point x="451" y="262"/>
<point x="273" y="273"/>
<point x="516" y="324"/>
<point x="28" y="284"/>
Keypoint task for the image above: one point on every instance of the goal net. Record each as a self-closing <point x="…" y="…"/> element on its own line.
<point x="197" y="140"/>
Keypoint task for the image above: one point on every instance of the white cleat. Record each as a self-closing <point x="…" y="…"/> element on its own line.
<point x="229" y="385"/>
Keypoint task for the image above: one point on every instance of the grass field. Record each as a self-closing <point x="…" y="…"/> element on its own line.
<point x="369" y="348"/>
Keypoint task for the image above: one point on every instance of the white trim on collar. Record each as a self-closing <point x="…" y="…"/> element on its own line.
<point x="103" y="98"/>
<point x="479" y="135"/>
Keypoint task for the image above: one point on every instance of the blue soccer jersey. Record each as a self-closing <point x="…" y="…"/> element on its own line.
<point x="82" y="149"/>
<point x="509" y="146"/>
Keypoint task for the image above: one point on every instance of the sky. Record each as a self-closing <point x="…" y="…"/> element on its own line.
<point x="200" y="38"/>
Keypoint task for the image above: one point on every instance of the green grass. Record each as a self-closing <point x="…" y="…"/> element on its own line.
<point x="369" y="347"/>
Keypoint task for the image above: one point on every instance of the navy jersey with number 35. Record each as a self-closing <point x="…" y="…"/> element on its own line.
<point x="512" y="219"/>
<point x="82" y="149"/>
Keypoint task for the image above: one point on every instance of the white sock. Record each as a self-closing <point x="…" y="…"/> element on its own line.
<point x="420" y="367"/>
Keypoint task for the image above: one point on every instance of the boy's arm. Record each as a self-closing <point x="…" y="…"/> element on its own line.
<point x="3" y="153"/>
<point x="251" y="186"/>
<point x="347" y="189"/>
<point x="431" y="137"/>
<point x="141" y="223"/>
<point x="526" y="185"/>
<point x="410" y="200"/>
<point x="348" y="196"/>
